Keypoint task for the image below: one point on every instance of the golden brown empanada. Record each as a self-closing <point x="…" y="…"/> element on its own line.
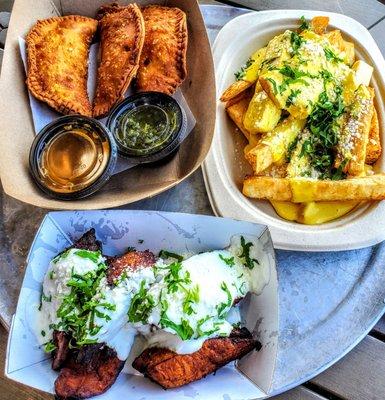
<point x="58" y="50"/>
<point x="121" y="41"/>
<point x="163" y="60"/>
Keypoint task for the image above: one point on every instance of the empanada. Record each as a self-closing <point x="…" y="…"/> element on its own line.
<point x="163" y="60"/>
<point x="121" y="41"/>
<point x="58" y="50"/>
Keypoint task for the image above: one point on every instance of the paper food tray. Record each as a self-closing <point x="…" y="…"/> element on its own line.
<point x="225" y="166"/>
<point x="128" y="186"/>
<point x="28" y="364"/>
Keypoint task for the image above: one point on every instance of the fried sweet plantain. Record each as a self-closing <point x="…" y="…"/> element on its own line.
<point x="171" y="370"/>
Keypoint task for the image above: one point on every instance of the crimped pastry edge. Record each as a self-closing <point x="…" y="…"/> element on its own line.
<point x="33" y="81"/>
<point x="181" y="31"/>
<point x="103" y="109"/>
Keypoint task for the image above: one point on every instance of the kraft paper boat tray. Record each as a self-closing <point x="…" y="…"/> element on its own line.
<point x="17" y="130"/>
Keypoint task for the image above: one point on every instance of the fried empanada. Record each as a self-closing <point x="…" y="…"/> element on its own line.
<point x="163" y="61"/>
<point x="121" y="41"/>
<point x="58" y="50"/>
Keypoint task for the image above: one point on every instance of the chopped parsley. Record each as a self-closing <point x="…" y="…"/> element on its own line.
<point x="227" y="260"/>
<point x="304" y="24"/>
<point x="191" y="298"/>
<point x="174" y="278"/>
<point x="292" y="96"/>
<point x="248" y="261"/>
<point x="78" y="309"/>
<point x="274" y="83"/>
<point x="42" y="333"/>
<point x="49" y="347"/>
<point x="331" y="56"/>
<point x="141" y="305"/>
<point x="239" y="75"/>
<point x="183" y="330"/>
<point x="296" y="42"/>
<point x="223" y="307"/>
<point x="323" y="125"/>
<point x="169" y="254"/>
<point x="291" y="149"/>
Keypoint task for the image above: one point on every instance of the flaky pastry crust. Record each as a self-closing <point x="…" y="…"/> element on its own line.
<point x="163" y="60"/>
<point x="58" y="49"/>
<point x="121" y="41"/>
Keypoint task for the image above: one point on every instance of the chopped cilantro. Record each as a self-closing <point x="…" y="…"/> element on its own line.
<point x="192" y="297"/>
<point x="227" y="260"/>
<point x="169" y="254"/>
<point x="49" y="347"/>
<point x="324" y="128"/>
<point x="183" y="330"/>
<point x="239" y="75"/>
<point x="274" y="83"/>
<point x="248" y="261"/>
<point x="42" y="333"/>
<point x="141" y="305"/>
<point x="296" y="42"/>
<point x="222" y="308"/>
<point x="292" y="96"/>
<point x="94" y="256"/>
<point x="304" y="24"/>
<point x="331" y="56"/>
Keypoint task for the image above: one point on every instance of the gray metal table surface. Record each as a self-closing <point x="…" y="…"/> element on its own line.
<point x="359" y="374"/>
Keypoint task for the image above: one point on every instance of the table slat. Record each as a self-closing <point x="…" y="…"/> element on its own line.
<point x="359" y="375"/>
<point x="299" y="393"/>
<point x="374" y="10"/>
<point x="378" y="32"/>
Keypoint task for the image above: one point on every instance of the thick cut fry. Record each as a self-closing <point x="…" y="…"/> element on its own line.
<point x="299" y="190"/>
<point x="351" y="151"/>
<point x="249" y="77"/>
<point x="58" y="62"/>
<point x="319" y="24"/>
<point x="273" y="146"/>
<point x="121" y="41"/>
<point x="373" y="148"/>
<point x="262" y="114"/>
<point x="236" y="111"/>
<point x="163" y="61"/>
<point x="344" y="48"/>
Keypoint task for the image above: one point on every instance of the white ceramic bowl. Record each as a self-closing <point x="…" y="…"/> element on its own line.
<point x="225" y="166"/>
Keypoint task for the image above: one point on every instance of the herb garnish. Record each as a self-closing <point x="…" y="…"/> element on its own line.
<point x="227" y="260"/>
<point x="274" y="83"/>
<point x="324" y="128"/>
<point x="239" y="75"/>
<point x="141" y="305"/>
<point x="49" y="347"/>
<point x="304" y="24"/>
<point x="223" y="307"/>
<point x="291" y="149"/>
<point x="249" y="262"/>
<point x="192" y="297"/>
<point x="292" y="96"/>
<point x="331" y="56"/>
<point x="296" y="42"/>
<point x="78" y="309"/>
<point x="169" y="254"/>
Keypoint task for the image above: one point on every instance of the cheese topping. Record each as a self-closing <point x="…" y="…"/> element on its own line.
<point x="177" y="303"/>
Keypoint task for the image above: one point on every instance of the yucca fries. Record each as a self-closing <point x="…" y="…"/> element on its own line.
<point x="300" y="190"/>
<point x="311" y="124"/>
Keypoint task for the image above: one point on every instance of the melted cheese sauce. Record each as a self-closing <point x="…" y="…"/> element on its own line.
<point x="188" y="301"/>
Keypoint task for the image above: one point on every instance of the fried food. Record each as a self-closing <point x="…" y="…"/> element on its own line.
<point x="121" y="41"/>
<point x="131" y="260"/>
<point x="373" y="148"/>
<point x="91" y="369"/>
<point x="88" y="371"/>
<point x="163" y="60"/>
<point x="171" y="370"/>
<point x="300" y="190"/>
<point x="58" y="50"/>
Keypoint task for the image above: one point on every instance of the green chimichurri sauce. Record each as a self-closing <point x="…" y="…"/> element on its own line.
<point x="146" y="129"/>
